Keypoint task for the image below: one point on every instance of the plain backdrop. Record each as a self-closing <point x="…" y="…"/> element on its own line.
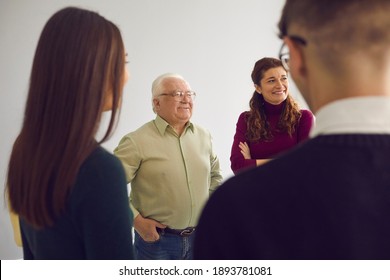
<point x="212" y="43"/>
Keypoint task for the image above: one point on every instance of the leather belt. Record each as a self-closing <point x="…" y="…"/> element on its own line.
<point x="182" y="232"/>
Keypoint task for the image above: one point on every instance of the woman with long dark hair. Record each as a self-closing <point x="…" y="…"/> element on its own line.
<point x="70" y="193"/>
<point x="274" y="123"/>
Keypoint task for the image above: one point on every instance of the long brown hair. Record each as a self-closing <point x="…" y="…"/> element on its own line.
<point x="79" y="58"/>
<point x="258" y="127"/>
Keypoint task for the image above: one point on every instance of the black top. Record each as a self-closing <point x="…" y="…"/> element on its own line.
<point x="97" y="221"/>
<point x="327" y="199"/>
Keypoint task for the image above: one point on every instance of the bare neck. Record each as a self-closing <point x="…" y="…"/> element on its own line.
<point x="363" y="79"/>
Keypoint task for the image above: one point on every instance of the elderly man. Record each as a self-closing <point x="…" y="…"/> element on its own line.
<point x="172" y="168"/>
<point x="329" y="198"/>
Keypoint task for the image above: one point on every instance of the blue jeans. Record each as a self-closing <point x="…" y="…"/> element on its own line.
<point x="168" y="247"/>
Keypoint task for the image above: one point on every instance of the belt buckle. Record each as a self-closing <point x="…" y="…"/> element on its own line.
<point x="187" y="231"/>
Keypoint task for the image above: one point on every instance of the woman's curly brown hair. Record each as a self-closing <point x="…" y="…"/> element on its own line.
<point x="257" y="124"/>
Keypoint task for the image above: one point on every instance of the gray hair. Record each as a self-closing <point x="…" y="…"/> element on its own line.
<point x="157" y="84"/>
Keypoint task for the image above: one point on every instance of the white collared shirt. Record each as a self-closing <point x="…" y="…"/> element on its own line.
<point x="360" y="115"/>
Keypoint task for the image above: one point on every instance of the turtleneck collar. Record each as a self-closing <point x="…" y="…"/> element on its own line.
<point x="273" y="109"/>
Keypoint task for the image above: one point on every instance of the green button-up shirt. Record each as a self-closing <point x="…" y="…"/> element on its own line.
<point x="171" y="176"/>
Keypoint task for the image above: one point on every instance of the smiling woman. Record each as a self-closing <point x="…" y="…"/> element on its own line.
<point x="273" y="86"/>
<point x="274" y="123"/>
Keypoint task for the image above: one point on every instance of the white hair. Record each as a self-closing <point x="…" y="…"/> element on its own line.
<point x="157" y="84"/>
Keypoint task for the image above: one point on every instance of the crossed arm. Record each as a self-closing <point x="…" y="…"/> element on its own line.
<point x="245" y="151"/>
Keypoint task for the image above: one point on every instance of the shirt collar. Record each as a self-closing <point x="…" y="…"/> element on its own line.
<point x="163" y="125"/>
<point x="358" y="115"/>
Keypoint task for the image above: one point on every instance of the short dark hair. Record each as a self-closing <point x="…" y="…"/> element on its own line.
<point x="346" y="19"/>
<point x="339" y="27"/>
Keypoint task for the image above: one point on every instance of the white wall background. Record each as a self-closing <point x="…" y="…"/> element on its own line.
<point x="212" y="43"/>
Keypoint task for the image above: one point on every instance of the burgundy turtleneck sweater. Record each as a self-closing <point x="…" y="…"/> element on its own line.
<point x="268" y="149"/>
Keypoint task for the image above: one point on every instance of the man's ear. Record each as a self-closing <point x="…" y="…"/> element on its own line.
<point x="297" y="61"/>
<point x="156" y="104"/>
